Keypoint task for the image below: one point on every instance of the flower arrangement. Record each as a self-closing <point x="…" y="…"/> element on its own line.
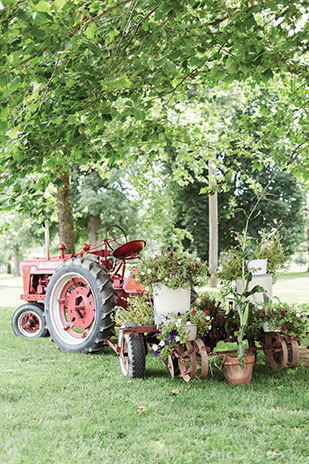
<point x="268" y="246"/>
<point x="139" y="310"/>
<point x="171" y="269"/>
<point x="287" y="319"/>
<point x="173" y="331"/>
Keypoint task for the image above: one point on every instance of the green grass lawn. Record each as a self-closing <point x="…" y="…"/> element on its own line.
<point x="64" y="408"/>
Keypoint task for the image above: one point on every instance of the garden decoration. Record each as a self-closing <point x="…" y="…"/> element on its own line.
<point x="82" y="298"/>
<point x="171" y="276"/>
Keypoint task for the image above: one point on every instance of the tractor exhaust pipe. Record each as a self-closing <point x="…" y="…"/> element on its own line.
<point x="46" y="241"/>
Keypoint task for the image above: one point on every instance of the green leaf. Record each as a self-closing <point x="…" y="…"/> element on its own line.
<point x="90" y="31"/>
<point x="59" y="4"/>
<point x="43" y="6"/>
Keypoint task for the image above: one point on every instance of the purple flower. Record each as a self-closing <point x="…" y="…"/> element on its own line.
<point x="197" y="266"/>
<point x="221" y="283"/>
<point x="172" y="338"/>
<point x="307" y="347"/>
<point x="282" y="313"/>
<point x="156" y="353"/>
<point x="208" y="274"/>
<point x="173" y="332"/>
<point x="283" y="328"/>
<point x="301" y="315"/>
<point x="166" y="342"/>
<point x="179" y="314"/>
<point x="307" y="333"/>
<point x="166" y="318"/>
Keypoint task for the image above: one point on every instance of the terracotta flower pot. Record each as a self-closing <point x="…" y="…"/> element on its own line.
<point x="233" y="371"/>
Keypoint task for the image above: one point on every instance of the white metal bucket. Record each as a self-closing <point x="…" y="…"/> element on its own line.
<point x="167" y="300"/>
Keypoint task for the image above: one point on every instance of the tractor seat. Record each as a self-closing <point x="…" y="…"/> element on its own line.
<point x="129" y="250"/>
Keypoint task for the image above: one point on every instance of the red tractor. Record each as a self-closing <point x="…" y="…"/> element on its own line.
<point x="73" y="296"/>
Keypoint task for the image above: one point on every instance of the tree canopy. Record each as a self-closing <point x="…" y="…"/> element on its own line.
<point x="81" y="82"/>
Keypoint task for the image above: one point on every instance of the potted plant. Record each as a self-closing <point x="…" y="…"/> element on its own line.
<point x="139" y="311"/>
<point x="175" y="330"/>
<point x="268" y="249"/>
<point x="171" y="276"/>
<point x="241" y="298"/>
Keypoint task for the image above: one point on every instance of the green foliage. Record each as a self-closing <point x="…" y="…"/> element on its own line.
<point x="269" y="246"/>
<point x="139" y="311"/>
<point x="171" y="269"/>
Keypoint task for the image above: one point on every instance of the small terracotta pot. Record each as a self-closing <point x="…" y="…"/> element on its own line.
<point x="233" y="371"/>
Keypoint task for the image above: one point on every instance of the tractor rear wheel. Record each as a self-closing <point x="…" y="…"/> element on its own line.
<point x="79" y="305"/>
<point x="28" y="321"/>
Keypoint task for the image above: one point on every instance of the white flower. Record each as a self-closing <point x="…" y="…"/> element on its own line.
<point x="166" y="279"/>
<point x="155" y="347"/>
<point x="143" y="273"/>
<point x="177" y="338"/>
<point x="207" y="318"/>
<point x="149" y="271"/>
<point x="209" y="327"/>
<point x="178" y="323"/>
<point x="161" y="343"/>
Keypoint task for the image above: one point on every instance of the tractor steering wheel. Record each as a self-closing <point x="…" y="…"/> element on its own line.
<point x="115" y="236"/>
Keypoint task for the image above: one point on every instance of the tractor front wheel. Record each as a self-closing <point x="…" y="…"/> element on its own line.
<point x="28" y="321"/>
<point x="132" y="354"/>
<point x="79" y="303"/>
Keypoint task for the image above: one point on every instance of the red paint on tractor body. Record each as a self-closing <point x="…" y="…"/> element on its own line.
<point x="37" y="273"/>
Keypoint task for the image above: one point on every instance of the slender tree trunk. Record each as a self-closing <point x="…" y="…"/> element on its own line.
<point x="65" y="213"/>
<point x="93" y="225"/>
<point x="16" y="260"/>
<point x="213" y="224"/>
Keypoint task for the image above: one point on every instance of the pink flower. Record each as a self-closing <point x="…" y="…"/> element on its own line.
<point x="282" y="313"/>
<point x="169" y="249"/>
<point x="197" y="266"/>
<point x="263" y="313"/>
<point x="208" y="274"/>
<point x="171" y="255"/>
<point x="283" y="328"/>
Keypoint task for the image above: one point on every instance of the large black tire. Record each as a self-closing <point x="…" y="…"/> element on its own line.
<point x="132" y="356"/>
<point x="79" y="305"/>
<point x="28" y="321"/>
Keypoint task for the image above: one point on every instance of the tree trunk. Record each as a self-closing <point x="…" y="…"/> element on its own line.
<point x="16" y="260"/>
<point x="213" y="224"/>
<point x="65" y="213"/>
<point x="93" y="225"/>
